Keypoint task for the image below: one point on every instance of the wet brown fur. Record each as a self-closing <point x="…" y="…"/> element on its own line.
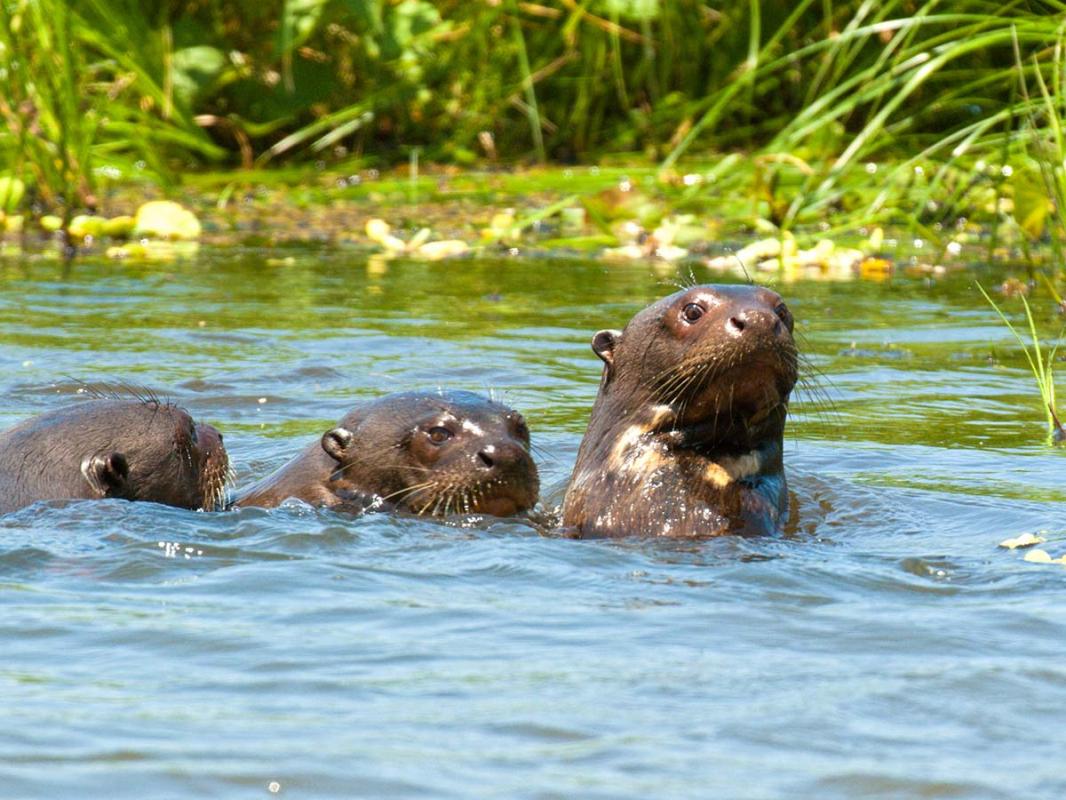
<point x="381" y="456"/>
<point x="686" y="432"/>
<point x="133" y="448"/>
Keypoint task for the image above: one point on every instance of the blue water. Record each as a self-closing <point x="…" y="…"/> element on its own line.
<point x="883" y="647"/>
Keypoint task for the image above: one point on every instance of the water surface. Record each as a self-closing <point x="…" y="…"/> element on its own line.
<point x="884" y="647"/>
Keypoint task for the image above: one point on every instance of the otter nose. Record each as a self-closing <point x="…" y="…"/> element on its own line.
<point x="753" y="320"/>
<point x="500" y="455"/>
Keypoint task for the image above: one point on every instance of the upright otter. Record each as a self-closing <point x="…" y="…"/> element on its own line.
<point x="128" y="448"/>
<point x="427" y="453"/>
<point x="686" y="433"/>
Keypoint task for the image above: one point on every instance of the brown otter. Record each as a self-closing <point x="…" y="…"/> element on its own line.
<point x="427" y="453"/>
<point x="130" y="448"/>
<point x="685" y="435"/>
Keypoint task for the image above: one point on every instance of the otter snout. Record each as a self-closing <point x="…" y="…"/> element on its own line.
<point x="754" y="321"/>
<point x="501" y="456"/>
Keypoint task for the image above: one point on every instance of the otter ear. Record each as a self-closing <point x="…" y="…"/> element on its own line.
<point x="336" y="442"/>
<point x="604" y="343"/>
<point x="107" y="475"/>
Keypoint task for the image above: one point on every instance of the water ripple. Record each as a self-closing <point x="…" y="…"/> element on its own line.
<point x="884" y="646"/>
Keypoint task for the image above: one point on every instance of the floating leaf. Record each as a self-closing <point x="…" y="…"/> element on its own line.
<point x="119" y="227"/>
<point x="447" y="248"/>
<point x="163" y="219"/>
<point x="154" y="251"/>
<point x="1025" y="540"/>
<point x="379" y="232"/>
<point x="1039" y="556"/>
<point x="84" y="226"/>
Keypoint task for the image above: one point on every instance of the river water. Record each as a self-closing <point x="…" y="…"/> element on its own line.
<point x="884" y="647"/>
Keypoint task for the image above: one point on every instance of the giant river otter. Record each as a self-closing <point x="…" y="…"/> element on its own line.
<point x="686" y="432"/>
<point x="427" y="453"/>
<point x="128" y="448"/>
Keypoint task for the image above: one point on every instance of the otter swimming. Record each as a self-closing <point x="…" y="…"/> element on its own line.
<point x="133" y="449"/>
<point x="685" y="437"/>
<point x="427" y="453"/>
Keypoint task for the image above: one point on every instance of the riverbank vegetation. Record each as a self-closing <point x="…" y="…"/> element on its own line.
<point x="853" y="112"/>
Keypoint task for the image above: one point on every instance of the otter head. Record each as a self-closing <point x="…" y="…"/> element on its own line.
<point x="448" y="453"/>
<point x="151" y="450"/>
<point x="714" y="364"/>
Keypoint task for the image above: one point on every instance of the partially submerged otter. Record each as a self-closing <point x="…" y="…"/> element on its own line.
<point x="128" y="448"/>
<point x="427" y="453"/>
<point x="686" y="433"/>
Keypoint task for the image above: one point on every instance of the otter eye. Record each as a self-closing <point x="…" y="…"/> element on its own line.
<point x="692" y="312"/>
<point x="439" y="435"/>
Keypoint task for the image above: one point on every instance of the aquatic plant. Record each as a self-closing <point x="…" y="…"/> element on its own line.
<point x="1040" y="359"/>
<point x="89" y="94"/>
<point x="48" y="132"/>
<point x="922" y="96"/>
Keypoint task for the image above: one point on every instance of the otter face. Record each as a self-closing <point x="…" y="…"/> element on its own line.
<point x="215" y="470"/>
<point x="433" y="454"/>
<point x="168" y="458"/>
<point x="719" y="356"/>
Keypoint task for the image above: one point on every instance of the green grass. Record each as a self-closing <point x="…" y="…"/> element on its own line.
<point x="85" y="95"/>
<point x="807" y="95"/>
<point x="1041" y="360"/>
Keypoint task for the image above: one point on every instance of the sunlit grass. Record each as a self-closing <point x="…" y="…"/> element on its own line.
<point x="85" y="97"/>
<point x="1040" y="358"/>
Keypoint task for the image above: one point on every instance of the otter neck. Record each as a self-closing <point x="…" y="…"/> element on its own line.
<point x="628" y="408"/>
